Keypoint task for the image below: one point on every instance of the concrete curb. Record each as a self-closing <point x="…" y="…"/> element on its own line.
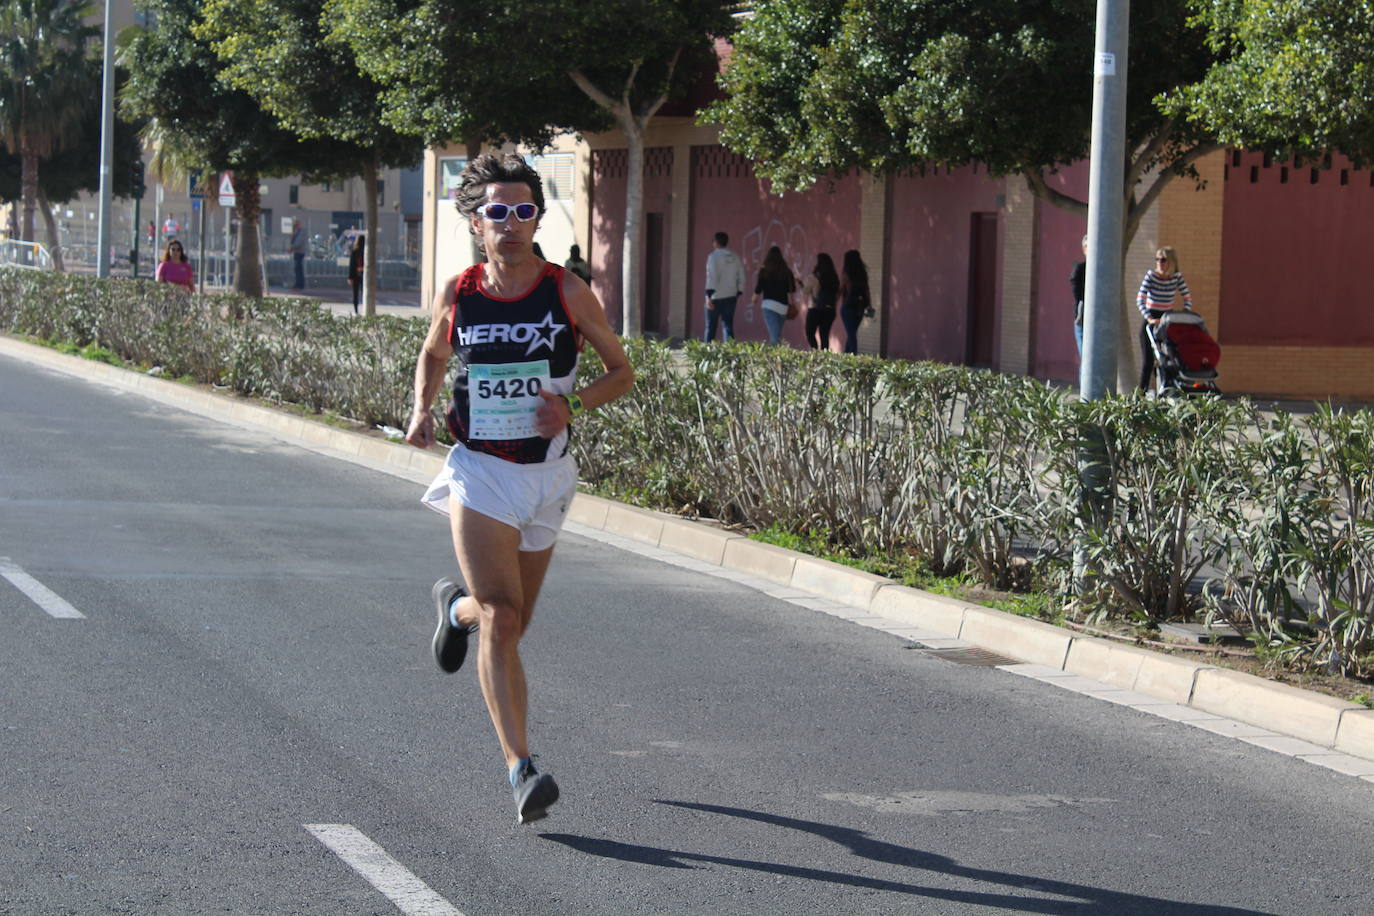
<point x="1316" y="718"/>
<point x="1313" y="717"/>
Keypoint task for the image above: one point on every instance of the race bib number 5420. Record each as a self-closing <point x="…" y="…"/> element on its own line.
<point x="502" y="400"/>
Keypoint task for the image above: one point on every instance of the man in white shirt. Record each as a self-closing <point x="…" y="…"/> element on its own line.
<point x="724" y="284"/>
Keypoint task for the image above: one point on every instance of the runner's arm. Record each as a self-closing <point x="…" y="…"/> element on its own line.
<point x="430" y="368"/>
<point x="619" y="376"/>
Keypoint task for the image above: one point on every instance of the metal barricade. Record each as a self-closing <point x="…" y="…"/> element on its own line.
<point x="29" y="255"/>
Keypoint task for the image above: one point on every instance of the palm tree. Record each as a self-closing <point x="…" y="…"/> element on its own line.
<point x="43" y="77"/>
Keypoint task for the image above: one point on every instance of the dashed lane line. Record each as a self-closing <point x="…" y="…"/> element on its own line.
<point x="38" y="593"/>
<point x="411" y="895"/>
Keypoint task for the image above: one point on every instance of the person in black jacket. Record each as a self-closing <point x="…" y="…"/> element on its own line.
<point x="774" y="289"/>
<point x="355" y="269"/>
<point x="854" y="298"/>
<point x="1078" y="281"/>
<point x="820" y="290"/>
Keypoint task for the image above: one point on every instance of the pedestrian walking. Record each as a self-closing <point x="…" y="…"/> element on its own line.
<point x="819" y="291"/>
<point x="297" y="248"/>
<point x="1078" y="282"/>
<point x="174" y="268"/>
<point x="517" y="324"/>
<point x="1162" y="286"/>
<point x="724" y="286"/>
<point x="577" y="265"/>
<point x="854" y="298"/>
<point x="774" y="288"/>
<point x="356" y="259"/>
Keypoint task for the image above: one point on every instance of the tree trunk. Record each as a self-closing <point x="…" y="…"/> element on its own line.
<point x="29" y="182"/>
<point x="635" y="126"/>
<point x="632" y="246"/>
<point x="1128" y="323"/>
<point x="54" y="240"/>
<point x="370" y="251"/>
<point x="248" y="202"/>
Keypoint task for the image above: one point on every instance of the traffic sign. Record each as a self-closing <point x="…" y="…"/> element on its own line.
<point x="193" y="186"/>
<point x="226" y="189"/>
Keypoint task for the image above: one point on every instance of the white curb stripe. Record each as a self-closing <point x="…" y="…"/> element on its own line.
<point x="411" y="895"/>
<point x="38" y="593"/>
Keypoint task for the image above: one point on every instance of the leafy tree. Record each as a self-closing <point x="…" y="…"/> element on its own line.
<point x="410" y="47"/>
<point x="44" y="72"/>
<point x="1294" y="78"/>
<point x="827" y="85"/>
<point x="200" y="121"/>
<point x="450" y="73"/>
<point x="75" y="168"/>
<point x="281" y="53"/>
<point x="819" y="86"/>
<point x="526" y="69"/>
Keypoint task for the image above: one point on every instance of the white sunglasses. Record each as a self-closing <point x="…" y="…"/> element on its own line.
<point x="499" y="213"/>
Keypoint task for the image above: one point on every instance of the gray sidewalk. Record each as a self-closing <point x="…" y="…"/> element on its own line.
<point x="339" y="300"/>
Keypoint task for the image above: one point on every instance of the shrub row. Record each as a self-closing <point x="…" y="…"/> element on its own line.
<point x="961" y="470"/>
<point x="1199" y="507"/>
<point x="284" y="350"/>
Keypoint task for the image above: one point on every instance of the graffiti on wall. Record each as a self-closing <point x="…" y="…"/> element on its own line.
<point x="755" y="244"/>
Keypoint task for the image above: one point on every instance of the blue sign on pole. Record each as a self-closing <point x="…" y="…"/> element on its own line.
<point x="193" y="189"/>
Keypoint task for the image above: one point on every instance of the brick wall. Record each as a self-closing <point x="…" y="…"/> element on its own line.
<point x="1190" y="220"/>
<point x="1318" y="373"/>
<point x="1194" y="222"/>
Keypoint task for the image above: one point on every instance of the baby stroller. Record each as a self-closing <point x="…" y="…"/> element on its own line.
<point x="1186" y="356"/>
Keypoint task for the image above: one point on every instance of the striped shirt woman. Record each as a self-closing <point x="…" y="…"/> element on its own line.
<point x="1161" y="287"/>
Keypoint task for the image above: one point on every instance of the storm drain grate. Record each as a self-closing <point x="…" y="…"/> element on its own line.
<point x="971" y="655"/>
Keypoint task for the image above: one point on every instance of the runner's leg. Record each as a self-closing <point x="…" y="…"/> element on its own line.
<point x="504" y="584"/>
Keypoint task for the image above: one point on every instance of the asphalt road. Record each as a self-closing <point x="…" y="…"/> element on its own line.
<point x="245" y="719"/>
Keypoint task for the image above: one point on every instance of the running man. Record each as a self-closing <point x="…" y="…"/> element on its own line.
<point x="517" y="324"/>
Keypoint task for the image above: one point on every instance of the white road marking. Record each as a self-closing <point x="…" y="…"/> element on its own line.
<point x="411" y="895"/>
<point x="38" y="593"/>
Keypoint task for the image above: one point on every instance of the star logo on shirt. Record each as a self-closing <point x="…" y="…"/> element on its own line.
<point x="538" y="337"/>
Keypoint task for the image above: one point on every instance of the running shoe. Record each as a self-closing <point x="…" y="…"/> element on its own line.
<point x="534" y="793"/>
<point x="450" y="643"/>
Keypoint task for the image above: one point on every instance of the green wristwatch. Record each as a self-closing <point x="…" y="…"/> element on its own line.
<point x="574" y="403"/>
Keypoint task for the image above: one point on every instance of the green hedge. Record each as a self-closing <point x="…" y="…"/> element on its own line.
<point x="956" y="470"/>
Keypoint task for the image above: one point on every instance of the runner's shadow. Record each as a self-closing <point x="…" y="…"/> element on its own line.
<point x="1083" y="898"/>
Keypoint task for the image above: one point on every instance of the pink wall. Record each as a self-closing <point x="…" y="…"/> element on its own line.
<point x="1059" y="247"/>
<point x="608" y="220"/>
<point x="928" y="261"/>
<point x="727" y="197"/>
<point x="1294" y="253"/>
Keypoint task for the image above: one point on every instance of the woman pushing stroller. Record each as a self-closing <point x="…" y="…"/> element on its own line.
<point x="1162" y="287"/>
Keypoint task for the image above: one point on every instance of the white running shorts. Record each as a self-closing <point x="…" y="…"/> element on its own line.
<point x="531" y="498"/>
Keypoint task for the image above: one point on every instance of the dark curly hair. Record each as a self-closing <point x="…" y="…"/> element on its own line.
<point x="490" y="168"/>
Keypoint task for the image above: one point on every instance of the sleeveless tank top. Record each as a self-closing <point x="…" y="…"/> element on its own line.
<point x="508" y="351"/>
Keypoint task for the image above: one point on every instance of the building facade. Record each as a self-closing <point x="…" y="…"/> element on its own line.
<point x="971" y="268"/>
